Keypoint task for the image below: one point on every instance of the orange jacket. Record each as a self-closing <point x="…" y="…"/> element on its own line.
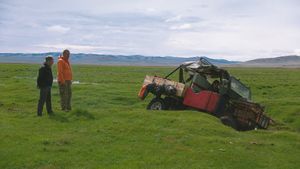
<point x="64" y="71"/>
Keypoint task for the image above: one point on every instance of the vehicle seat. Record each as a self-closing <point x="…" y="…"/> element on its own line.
<point x="199" y="83"/>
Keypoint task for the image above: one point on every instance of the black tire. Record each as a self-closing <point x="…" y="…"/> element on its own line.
<point x="157" y="104"/>
<point x="229" y="121"/>
<point x="173" y="103"/>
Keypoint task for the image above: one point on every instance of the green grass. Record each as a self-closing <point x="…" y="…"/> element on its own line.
<point x="110" y="128"/>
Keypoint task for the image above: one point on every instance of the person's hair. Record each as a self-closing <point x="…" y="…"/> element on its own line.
<point x="48" y="58"/>
<point x="66" y="51"/>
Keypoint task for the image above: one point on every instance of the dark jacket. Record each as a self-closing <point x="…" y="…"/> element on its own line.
<point x="45" y="77"/>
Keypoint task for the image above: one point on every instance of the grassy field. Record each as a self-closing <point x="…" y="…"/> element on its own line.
<point x="110" y="128"/>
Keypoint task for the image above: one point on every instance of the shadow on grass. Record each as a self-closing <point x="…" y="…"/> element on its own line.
<point x="83" y="113"/>
<point x="73" y="115"/>
<point x="59" y="118"/>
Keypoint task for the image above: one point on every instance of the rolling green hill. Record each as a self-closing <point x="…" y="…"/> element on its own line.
<point x="110" y="128"/>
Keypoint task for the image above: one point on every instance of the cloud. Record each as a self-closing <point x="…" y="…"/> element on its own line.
<point x="181" y="27"/>
<point x="58" y="29"/>
<point x="83" y="48"/>
<point x="296" y="52"/>
<point x="150" y="10"/>
<point x="69" y="46"/>
<point x="174" y="19"/>
<point x="230" y="28"/>
<point x="183" y="19"/>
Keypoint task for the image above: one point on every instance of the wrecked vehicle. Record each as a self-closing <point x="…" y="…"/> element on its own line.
<point x="207" y="88"/>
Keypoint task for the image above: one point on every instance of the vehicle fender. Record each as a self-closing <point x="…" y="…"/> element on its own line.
<point x="143" y="92"/>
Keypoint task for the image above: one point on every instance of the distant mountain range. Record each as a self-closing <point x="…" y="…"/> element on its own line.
<point x="101" y="59"/>
<point x="288" y="61"/>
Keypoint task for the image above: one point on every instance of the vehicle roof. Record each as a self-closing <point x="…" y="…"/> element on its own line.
<point x="203" y="66"/>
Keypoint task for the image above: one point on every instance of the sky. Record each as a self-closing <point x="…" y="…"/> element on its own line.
<point x="224" y="29"/>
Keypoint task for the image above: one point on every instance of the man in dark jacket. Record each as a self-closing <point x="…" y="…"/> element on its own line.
<point x="44" y="83"/>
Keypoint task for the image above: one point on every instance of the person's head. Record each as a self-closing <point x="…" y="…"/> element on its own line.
<point x="216" y="85"/>
<point x="66" y="54"/>
<point x="49" y="60"/>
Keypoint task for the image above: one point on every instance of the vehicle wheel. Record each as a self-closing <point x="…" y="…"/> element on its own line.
<point x="156" y="104"/>
<point x="229" y="121"/>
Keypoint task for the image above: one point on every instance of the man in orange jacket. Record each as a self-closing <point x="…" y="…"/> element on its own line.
<point x="64" y="78"/>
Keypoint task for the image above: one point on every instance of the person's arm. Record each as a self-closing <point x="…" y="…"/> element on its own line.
<point x="40" y="78"/>
<point x="60" y="76"/>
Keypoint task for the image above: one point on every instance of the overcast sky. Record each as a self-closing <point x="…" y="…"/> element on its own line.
<point x="229" y="29"/>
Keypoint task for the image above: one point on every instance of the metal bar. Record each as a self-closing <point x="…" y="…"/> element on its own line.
<point x="172" y="72"/>
<point x="181" y="79"/>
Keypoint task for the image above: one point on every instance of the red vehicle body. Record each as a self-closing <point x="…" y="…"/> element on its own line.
<point x="204" y="100"/>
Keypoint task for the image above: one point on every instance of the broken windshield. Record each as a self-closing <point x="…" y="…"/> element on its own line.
<point x="240" y="88"/>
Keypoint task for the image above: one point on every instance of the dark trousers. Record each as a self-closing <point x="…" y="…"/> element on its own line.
<point x="45" y="96"/>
